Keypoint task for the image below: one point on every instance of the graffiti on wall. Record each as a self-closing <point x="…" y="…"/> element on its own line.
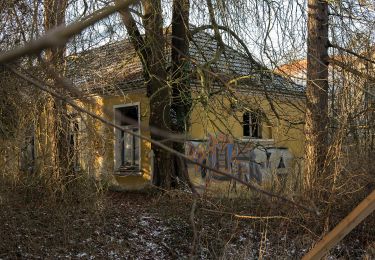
<point x="244" y="159"/>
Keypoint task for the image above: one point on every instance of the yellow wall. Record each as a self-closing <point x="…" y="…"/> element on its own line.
<point x="217" y="116"/>
<point x="101" y="147"/>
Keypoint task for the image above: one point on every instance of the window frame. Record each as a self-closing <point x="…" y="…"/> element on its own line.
<point x="118" y="153"/>
<point x="249" y="120"/>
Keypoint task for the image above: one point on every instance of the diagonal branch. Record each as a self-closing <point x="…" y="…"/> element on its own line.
<point x="134" y="34"/>
<point x="60" y="35"/>
<point x="234" y="35"/>
<point x="351" y="52"/>
<point x="351" y="70"/>
<point x="218" y="38"/>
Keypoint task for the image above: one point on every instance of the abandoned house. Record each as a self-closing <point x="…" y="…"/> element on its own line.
<point x="255" y="108"/>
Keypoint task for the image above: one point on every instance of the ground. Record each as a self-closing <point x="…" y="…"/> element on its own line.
<point x="157" y="225"/>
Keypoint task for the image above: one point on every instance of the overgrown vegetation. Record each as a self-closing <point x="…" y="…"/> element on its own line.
<point x="151" y="224"/>
<point x="55" y="191"/>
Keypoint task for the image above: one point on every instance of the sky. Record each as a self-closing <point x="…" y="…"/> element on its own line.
<point x="274" y="31"/>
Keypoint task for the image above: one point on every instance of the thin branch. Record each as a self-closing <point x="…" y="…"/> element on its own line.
<point x="350" y="52"/>
<point x="351" y="70"/>
<point x="61" y="35"/>
<point x="134" y="34"/>
<point x="233" y="34"/>
<point x="218" y="38"/>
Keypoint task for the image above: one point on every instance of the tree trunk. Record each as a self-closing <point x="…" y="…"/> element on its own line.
<point x="316" y="92"/>
<point x="181" y="91"/>
<point x="158" y="91"/>
<point x="151" y="51"/>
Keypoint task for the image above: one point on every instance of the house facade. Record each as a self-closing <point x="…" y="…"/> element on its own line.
<point x="252" y="109"/>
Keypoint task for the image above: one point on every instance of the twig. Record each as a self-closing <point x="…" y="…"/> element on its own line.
<point x="245" y="216"/>
<point x="258" y="217"/>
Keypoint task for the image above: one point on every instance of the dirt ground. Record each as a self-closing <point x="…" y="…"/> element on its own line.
<point x="158" y="225"/>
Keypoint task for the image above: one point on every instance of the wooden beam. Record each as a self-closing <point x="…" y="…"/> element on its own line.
<point x="365" y="208"/>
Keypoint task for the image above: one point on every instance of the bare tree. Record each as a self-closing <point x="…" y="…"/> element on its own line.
<point x="317" y="90"/>
<point x="151" y="50"/>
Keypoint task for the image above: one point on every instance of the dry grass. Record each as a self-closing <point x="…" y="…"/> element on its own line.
<point x="154" y="224"/>
<point x="81" y="219"/>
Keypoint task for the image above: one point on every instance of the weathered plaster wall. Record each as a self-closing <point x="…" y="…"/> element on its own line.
<point x="216" y="117"/>
<point x="131" y="182"/>
<point x="98" y="156"/>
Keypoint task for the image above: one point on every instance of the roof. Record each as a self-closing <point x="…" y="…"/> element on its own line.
<point x="293" y="68"/>
<point x="113" y="68"/>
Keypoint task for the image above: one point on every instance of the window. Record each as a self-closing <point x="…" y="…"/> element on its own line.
<point x="127" y="148"/>
<point x="251" y="125"/>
